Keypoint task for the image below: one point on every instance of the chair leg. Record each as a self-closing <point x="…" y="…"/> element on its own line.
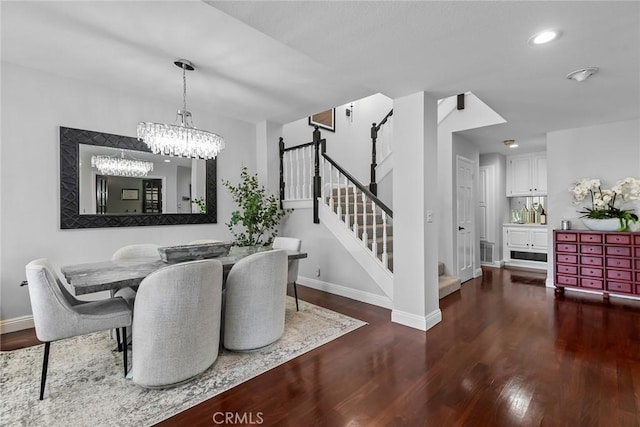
<point x="118" y="339"/>
<point x="45" y="364"/>
<point x="295" y="292"/>
<point x="124" y="352"/>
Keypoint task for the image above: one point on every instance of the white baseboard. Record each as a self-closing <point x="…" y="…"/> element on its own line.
<point x="417" y="322"/>
<point x="16" y="324"/>
<point x="496" y="264"/>
<point x="550" y="283"/>
<point x="478" y="273"/>
<point x="343" y="291"/>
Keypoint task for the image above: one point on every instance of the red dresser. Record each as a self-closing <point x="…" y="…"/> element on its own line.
<point x="608" y="262"/>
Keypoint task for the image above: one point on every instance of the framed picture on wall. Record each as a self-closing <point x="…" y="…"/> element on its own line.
<point x="324" y="120"/>
<point x="130" y="194"/>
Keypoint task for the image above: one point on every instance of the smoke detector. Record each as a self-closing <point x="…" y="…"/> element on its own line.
<point x="582" y="74"/>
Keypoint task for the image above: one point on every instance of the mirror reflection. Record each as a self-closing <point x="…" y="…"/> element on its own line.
<point x="170" y="186"/>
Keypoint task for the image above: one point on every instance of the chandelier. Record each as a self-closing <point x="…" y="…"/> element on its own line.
<point x="182" y="139"/>
<point x="119" y="166"/>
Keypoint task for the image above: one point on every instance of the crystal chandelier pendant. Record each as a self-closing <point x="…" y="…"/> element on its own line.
<point x="119" y="166"/>
<point x="183" y="139"/>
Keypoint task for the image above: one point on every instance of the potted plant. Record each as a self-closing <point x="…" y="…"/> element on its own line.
<point x="604" y="215"/>
<point x="255" y="221"/>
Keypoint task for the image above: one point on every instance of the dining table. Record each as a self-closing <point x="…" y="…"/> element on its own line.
<point x="116" y="274"/>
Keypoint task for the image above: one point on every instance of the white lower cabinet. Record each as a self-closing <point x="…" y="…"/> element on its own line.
<point x="525" y="246"/>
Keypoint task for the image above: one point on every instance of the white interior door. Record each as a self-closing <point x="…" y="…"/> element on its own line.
<point x="466" y="218"/>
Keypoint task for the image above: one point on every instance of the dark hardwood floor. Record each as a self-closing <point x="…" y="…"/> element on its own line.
<point x="507" y="353"/>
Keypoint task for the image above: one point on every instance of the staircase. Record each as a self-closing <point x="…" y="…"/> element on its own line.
<point x="350" y="210"/>
<point x="365" y="215"/>
<point x="446" y="284"/>
<point x="347" y="202"/>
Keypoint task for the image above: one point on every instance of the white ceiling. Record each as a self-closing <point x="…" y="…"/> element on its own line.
<point x="282" y="61"/>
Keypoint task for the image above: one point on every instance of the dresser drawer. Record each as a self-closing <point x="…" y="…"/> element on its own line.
<point x="619" y="250"/>
<point x="619" y="287"/>
<point x="566" y="237"/>
<point x="618" y="239"/>
<point x="591" y="249"/>
<point x="636" y="239"/>
<point x="638" y="277"/>
<point x="596" y="261"/>
<point x="590" y="238"/>
<point x="566" y="280"/>
<point x="637" y="252"/>
<point x="585" y="282"/>
<point x="620" y="275"/>
<point x="591" y="272"/>
<point x="638" y="264"/>
<point x="567" y="269"/>
<point x="571" y="259"/>
<point x="564" y="247"/>
<point x="619" y="263"/>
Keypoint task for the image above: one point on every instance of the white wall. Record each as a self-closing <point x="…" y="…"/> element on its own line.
<point x="326" y="253"/>
<point x="609" y="152"/>
<point x="350" y="144"/>
<point x="415" y="261"/>
<point x="34" y="105"/>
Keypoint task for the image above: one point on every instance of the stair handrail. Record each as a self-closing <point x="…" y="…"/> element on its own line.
<point x="379" y="203"/>
<point x="373" y="186"/>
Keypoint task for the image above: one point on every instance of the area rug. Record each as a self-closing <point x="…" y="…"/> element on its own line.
<point x="85" y="385"/>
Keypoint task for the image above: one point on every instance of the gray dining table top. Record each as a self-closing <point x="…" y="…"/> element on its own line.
<point x="115" y="274"/>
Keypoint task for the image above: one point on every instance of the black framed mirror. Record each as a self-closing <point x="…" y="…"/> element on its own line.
<point x="71" y="140"/>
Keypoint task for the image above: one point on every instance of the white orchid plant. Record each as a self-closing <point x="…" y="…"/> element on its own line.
<point x="603" y="201"/>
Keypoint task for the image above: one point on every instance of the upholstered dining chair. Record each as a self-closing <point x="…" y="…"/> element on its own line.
<point x="176" y="327"/>
<point x="255" y="297"/>
<point x="138" y="250"/>
<point x="291" y="244"/>
<point x="58" y="315"/>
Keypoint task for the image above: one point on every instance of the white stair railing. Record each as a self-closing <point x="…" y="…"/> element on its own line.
<point x="361" y="212"/>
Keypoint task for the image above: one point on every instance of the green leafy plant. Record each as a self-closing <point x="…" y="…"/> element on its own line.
<point x="201" y="204"/>
<point x="256" y="220"/>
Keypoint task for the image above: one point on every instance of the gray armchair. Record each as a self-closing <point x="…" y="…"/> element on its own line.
<point x="291" y="244"/>
<point x="255" y="296"/>
<point x="58" y="315"/>
<point x="176" y="327"/>
<point x="138" y="250"/>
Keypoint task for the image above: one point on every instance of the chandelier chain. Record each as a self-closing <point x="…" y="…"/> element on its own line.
<point x="184" y="87"/>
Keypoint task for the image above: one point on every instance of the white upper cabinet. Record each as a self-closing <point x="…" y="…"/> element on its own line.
<point x="527" y="175"/>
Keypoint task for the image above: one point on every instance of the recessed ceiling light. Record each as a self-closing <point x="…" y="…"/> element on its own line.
<point x="545" y="36"/>
<point x="510" y="143"/>
<point x="582" y="74"/>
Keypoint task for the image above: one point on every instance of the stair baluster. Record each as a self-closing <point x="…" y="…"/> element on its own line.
<point x="365" y="235"/>
<point x="347" y="218"/>
<point x="339" y="211"/>
<point x="303" y="184"/>
<point x="298" y="174"/>
<point x="355" y="211"/>
<point x="309" y="178"/>
<point x="291" y="180"/>
<point x="331" y="202"/>
<point x="374" y="243"/>
<point x="385" y="252"/>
